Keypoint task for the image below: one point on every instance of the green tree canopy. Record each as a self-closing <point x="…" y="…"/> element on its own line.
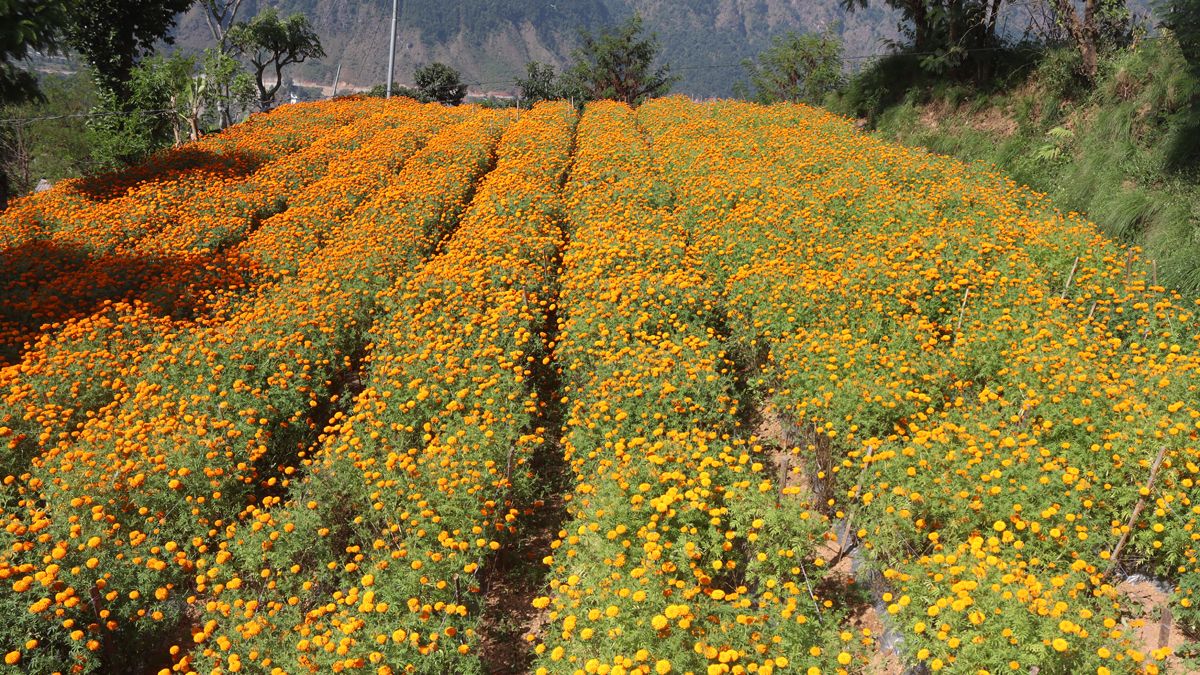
<point x="270" y="43"/>
<point x="956" y="37"/>
<point x="539" y="83"/>
<point x="796" y="68"/>
<point x="123" y="139"/>
<point x="1182" y="17"/>
<point x="439" y="82"/>
<point x="616" y="65"/>
<point x="113" y="35"/>
<point x="221" y="16"/>
<point x="25" y="25"/>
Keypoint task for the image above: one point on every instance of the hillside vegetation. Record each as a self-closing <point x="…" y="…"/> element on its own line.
<point x="1122" y="151"/>
<point x="315" y="394"/>
<point x="490" y="42"/>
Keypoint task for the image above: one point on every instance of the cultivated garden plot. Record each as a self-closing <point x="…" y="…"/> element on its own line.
<point x="298" y="397"/>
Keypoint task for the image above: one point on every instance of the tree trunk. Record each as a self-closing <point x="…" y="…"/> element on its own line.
<point x="1084" y="33"/>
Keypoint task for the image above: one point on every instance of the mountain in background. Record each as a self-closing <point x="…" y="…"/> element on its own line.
<point x="490" y="41"/>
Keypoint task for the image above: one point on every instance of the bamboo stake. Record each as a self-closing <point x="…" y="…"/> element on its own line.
<point x="1069" y="278"/>
<point x="1092" y="310"/>
<point x="961" y="309"/>
<point x="844" y="546"/>
<point x="808" y="585"/>
<point x="1137" y="510"/>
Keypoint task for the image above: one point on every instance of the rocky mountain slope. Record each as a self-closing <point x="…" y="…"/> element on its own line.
<point x="491" y="40"/>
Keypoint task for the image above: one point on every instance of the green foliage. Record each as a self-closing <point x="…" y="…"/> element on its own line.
<point x="133" y="126"/>
<point x="25" y="25"/>
<point x="48" y="149"/>
<point x="949" y="37"/>
<point x="380" y="90"/>
<point x="113" y="35"/>
<point x="1182" y="18"/>
<point x="495" y="103"/>
<point x="616" y="65"/>
<point x="230" y="89"/>
<point x="796" y="68"/>
<point x="270" y="43"/>
<point x="539" y="83"/>
<point x="441" y="83"/>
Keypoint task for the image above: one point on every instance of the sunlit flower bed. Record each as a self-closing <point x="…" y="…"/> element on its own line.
<point x="276" y="399"/>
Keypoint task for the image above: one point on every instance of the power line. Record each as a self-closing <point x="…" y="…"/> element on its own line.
<point x="18" y="121"/>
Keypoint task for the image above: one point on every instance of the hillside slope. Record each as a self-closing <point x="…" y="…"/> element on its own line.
<point x="491" y="41"/>
<point x="1122" y="152"/>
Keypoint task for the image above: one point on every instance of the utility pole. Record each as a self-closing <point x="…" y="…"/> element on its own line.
<point x="335" y="80"/>
<point x="392" y="53"/>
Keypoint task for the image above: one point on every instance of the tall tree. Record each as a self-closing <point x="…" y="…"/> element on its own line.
<point x="616" y="65"/>
<point x="221" y="16"/>
<point x="230" y="87"/>
<point x="25" y="25"/>
<point x="539" y="83"/>
<point x="439" y="82"/>
<point x="951" y="36"/>
<point x="796" y="68"/>
<point x="1083" y="31"/>
<point x="112" y="35"/>
<point x="1182" y="17"/>
<point x="270" y="43"/>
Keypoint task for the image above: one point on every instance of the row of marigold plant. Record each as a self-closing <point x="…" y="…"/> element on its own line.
<point x="179" y="250"/>
<point x="679" y="556"/>
<point x="412" y="492"/>
<point x="205" y="415"/>
<point x="978" y="387"/>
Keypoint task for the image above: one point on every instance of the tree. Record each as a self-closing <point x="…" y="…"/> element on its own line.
<point x="113" y="35"/>
<point x="1084" y="33"/>
<point x="52" y="149"/>
<point x="271" y="43"/>
<point x="539" y="85"/>
<point x="439" y="82"/>
<point x="221" y="16"/>
<point x="616" y="64"/>
<point x="1182" y="18"/>
<point x="796" y="68"/>
<point x="951" y="36"/>
<point x="230" y="88"/>
<point x="25" y="25"/>
<point x="131" y="135"/>
<point x="186" y="93"/>
<point x="380" y="91"/>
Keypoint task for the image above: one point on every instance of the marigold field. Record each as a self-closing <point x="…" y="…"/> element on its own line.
<point x="302" y="396"/>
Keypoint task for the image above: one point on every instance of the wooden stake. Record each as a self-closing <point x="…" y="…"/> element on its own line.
<point x="961" y="309"/>
<point x="1164" y="627"/>
<point x="1137" y="510"/>
<point x="1128" y="265"/>
<point x="1093" y="309"/>
<point x="808" y="585"/>
<point x="1155" y="263"/>
<point x="1069" y="278"/>
<point x="844" y="546"/>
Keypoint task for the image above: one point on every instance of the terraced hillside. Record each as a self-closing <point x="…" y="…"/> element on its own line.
<point x="311" y="394"/>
